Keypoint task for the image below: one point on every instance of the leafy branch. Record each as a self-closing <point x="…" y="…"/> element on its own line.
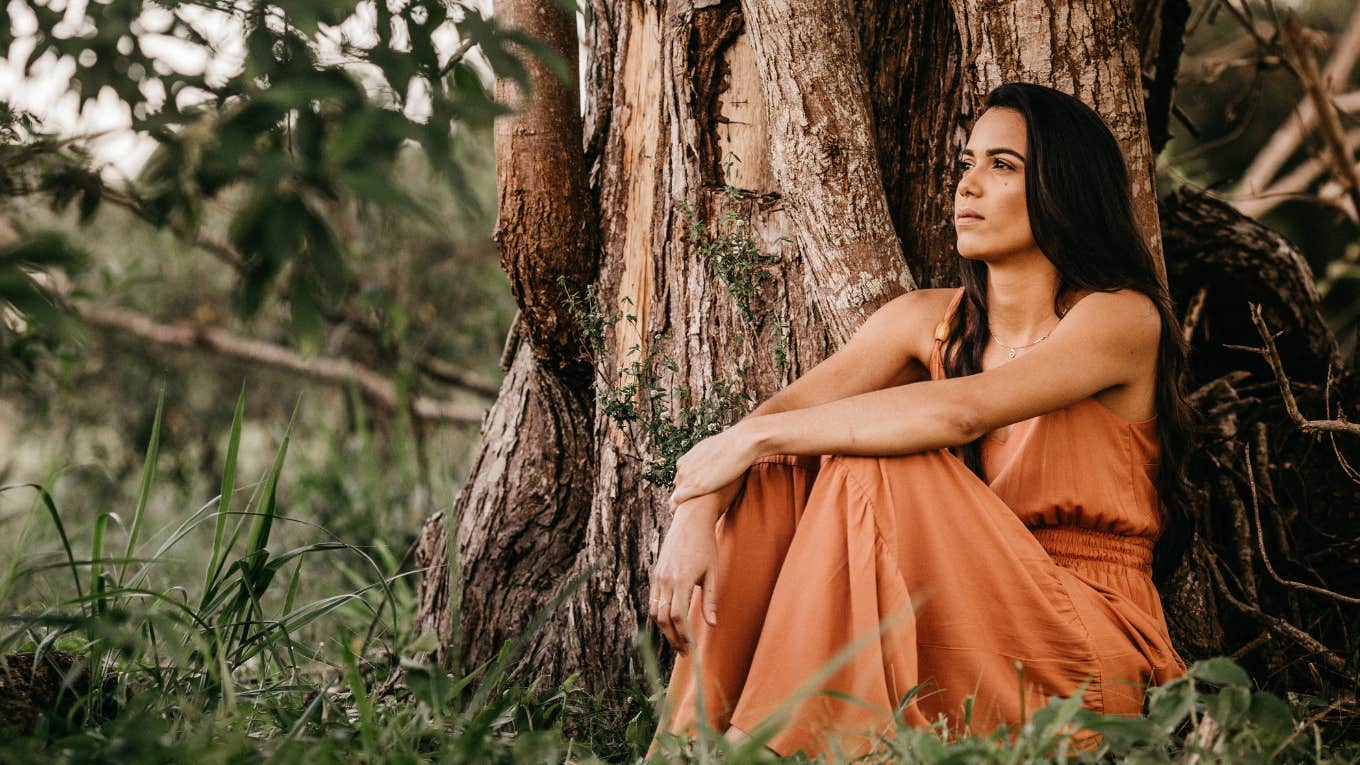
<point x="730" y="253"/>
<point x="670" y="420"/>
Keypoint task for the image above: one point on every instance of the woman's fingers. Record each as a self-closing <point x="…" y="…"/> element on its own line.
<point x="679" y="608"/>
<point x="678" y="498"/>
<point x="651" y="595"/>
<point x="669" y="613"/>
<point x="663" y="611"/>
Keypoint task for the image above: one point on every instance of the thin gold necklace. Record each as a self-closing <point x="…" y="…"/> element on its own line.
<point x="1013" y="348"/>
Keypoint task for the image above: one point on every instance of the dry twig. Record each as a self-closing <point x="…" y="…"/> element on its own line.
<point x="329" y="370"/>
<point x="1290" y="133"/>
<point x="1291" y="405"/>
<point x="1317" y="89"/>
<point x="1294" y="184"/>
<point x="1192" y="314"/>
<point x="1261" y="546"/>
<point x="1281" y="627"/>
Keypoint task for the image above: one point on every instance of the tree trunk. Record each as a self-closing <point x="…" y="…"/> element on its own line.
<point x="825" y="138"/>
<point x="1269" y="575"/>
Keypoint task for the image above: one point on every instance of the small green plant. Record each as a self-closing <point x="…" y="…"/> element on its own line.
<point x="780" y="349"/>
<point x="722" y="405"/>
<point x="633" y="397"/>
<point x="673" y="419"/>
<point x="587" y="311"/>
<point x="730" y="253"/>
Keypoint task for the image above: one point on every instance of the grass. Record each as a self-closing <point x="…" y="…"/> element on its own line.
<point x="209" y="641"/>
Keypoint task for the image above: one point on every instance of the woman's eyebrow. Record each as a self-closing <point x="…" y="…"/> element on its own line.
<point x="994" y="152"/>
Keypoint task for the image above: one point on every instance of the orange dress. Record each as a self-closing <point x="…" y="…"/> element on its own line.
<point x="948" y="580"/>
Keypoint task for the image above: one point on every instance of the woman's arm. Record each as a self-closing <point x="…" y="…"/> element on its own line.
<point x="886" y="351"/>
<point x="1107" y="339"/>
<point x="883" y="353"/>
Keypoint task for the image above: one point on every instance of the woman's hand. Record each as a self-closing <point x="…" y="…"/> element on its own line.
<point x="714" y="463"/>
<point x="688" y="559"/>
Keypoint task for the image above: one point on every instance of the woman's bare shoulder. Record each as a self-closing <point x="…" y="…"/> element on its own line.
<point x="928" y="300"/>
<point x="921" y="311"/>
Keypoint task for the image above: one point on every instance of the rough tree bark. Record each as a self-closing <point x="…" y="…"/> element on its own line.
<point x="843" y="157"/>
<point x="529" y="490"/>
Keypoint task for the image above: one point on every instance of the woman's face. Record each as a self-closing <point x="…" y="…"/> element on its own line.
<point x="991" y="183"/>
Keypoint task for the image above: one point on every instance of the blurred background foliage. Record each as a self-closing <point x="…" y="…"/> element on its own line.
<point x="334" y="198"/>
<point x="311" y="233"/>
<point x="1237" y="93"/>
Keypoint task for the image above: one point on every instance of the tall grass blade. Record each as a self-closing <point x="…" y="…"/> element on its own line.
<point x="97" y="564"/>
<point x="211" y="596"/>
<point x="264" y="520"/>
<point x="148" y="475"/>
<point x="361" y="701"/>
<point x="224" y="498"/>
<point x="52" y="513"/>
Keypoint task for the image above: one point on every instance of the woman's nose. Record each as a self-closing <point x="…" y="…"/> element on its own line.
<point x="967" y="187"/>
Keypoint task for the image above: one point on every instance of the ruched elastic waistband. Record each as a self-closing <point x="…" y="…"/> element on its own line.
<point x="1077" y="544"/>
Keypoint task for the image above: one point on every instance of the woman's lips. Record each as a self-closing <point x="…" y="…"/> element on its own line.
<point x="967" y="220"/>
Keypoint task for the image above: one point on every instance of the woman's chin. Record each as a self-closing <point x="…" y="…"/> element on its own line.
<point x="973" y="250"/>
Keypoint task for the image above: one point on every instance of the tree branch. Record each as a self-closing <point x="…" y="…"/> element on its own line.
<point x="220" y="250"/>
<point x="1317" y="89"/>
<point x="544" y="227"/>
<point x="824" y="157"/>
<point x="1261" y="545"/>
<point x="336" y="371"/>
<point x="1297" y="180"/>
<point x="1281" y="627"/>
<point x="1291" y="405"/>
<point x="434" y="368"/>
<point x="1288" y="136"/>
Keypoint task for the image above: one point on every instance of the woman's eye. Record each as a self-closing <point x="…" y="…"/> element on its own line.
<point x="1003" y="165"/>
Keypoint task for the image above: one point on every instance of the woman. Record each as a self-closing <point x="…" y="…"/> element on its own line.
<point x="985" y="533"/>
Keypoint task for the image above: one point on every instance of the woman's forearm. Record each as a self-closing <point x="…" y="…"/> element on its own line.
<point x="899" y="420"/>
<point x="802" y="394"/>
<point x="828" y="382"/>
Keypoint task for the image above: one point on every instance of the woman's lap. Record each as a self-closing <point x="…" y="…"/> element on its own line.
<point x="818" y="551"/>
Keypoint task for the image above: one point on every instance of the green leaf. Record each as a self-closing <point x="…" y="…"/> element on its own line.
<point x="1221" y="671"/>
<point x="1269" y="713"/>
<point x="428" y="642"/>
<point x="96" y="563"/>
<point x="1169" y="704"/>
<point x="1123" y="733"/>
<point x="153" y="448"/>
<point x="1229" y="706"/>
<point x="429" y="685"/>
<point x="224" y="498"/>
<point x="256" y="556"/>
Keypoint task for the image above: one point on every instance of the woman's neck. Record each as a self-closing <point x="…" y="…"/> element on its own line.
<point x="1020" y="299"/>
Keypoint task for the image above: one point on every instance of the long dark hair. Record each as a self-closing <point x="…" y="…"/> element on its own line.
<point x="1081" y="212"/>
